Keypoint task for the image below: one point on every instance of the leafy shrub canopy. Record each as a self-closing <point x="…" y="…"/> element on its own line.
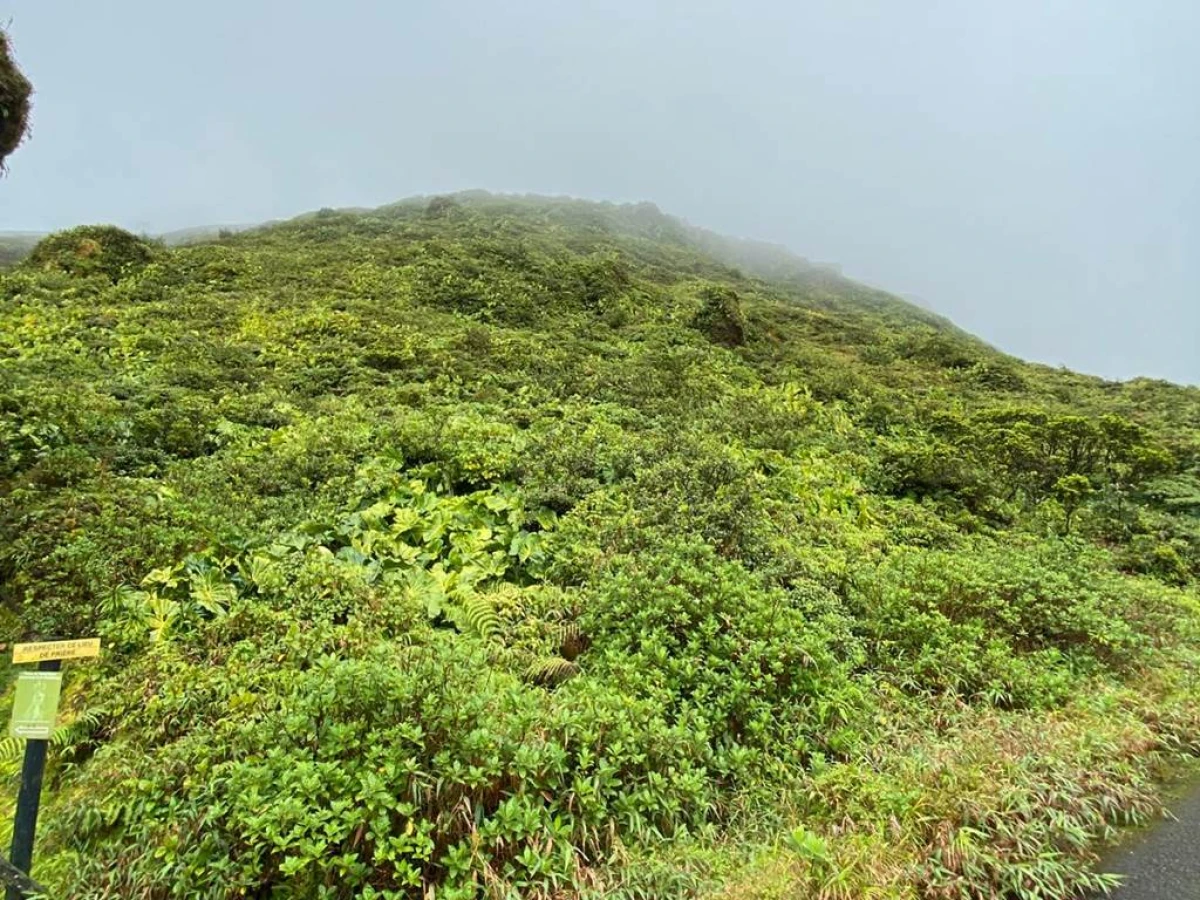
<point x="103" y="250"/>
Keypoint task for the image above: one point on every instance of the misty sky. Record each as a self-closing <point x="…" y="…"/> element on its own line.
<point x="1030" y="168"/>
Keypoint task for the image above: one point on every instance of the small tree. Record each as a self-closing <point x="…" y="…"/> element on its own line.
<point x="15" y="91"/>
<point x="720" y="317"/>
<point x="1071" y="491"/>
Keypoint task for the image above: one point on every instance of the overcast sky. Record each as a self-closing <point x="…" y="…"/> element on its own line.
<point x="1030" y="168"/>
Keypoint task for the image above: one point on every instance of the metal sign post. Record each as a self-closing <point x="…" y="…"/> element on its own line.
<point x="30" y="796"/>
<point x="35" y="710"/>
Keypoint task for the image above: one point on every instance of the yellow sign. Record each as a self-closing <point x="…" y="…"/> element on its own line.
<point x="27" y="653"/>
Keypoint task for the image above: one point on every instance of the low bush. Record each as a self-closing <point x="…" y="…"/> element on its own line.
<point x="102" y="250"/>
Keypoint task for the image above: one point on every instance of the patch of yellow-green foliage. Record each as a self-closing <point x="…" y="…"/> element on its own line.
<point x="508" y="547"/>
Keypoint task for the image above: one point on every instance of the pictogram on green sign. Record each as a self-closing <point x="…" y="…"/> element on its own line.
<point x="35" y="706"/>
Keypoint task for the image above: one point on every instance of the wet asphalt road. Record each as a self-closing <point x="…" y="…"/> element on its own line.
<point x="1163" y="863"/>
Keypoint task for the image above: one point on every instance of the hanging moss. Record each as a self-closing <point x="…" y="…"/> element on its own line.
<point x="15" y="91"/>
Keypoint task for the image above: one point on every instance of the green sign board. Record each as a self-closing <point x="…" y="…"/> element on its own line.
<point x="35" y="706"/>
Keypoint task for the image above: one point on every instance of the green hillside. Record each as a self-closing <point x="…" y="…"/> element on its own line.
<point x="15" y="246"/>
<point x="512" y="547"/>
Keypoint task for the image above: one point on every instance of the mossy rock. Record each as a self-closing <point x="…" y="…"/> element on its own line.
<point x="720" y="317"/>
<point x="15" y="91"/>
<point x="92" y="250"/>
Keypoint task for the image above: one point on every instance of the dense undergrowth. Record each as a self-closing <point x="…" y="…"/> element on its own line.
<point x="500" y="547"/>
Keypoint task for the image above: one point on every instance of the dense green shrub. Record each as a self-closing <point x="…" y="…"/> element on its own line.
<point x="720" y="317"/>
<point x="1009" y="625"/>
<point x="103" y="250"/>
<point x="734" y="661"/>
<point x="942" y="351"/>
<point x="440" y="207"/>
<point x="583" y="451"/>
<point x="997" y="375"/>
<point x="1149" y="554"/>
<point x="379" y="772"/>
<point x="923" y="466"/>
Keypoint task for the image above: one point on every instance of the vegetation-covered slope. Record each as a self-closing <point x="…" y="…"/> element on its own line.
<point x="15" y="246"/>
<point x="506" y="547"/>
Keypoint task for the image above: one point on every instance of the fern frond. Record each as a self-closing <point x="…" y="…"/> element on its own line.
<point x="11" y="749"/>
<point x="552" y="670"/>
<point x="480" y="617"/>
<point x="571" y="640"/>
<point x="64" y="736"/>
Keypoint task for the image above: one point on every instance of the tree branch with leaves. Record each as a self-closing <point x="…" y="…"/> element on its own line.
<point x="15" y="93"/>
